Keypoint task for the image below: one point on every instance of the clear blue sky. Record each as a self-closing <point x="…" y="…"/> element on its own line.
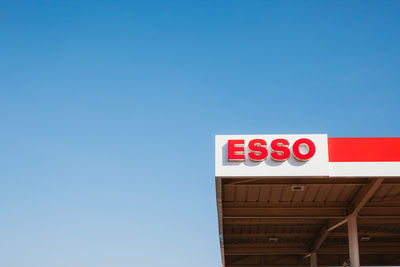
<point x="109" y="110"/>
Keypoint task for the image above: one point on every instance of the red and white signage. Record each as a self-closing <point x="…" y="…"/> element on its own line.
<point x="305" y="155"/>
<point x="372" y="157"/>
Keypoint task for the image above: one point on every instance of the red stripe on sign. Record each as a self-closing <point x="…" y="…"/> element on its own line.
<point x="364" y="149"/>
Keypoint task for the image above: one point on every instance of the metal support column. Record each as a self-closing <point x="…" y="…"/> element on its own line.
<point x="353" y="240"/>
<point x="313" y="259"/>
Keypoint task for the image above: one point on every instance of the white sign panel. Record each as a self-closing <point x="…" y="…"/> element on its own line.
<point x="271" y="155"/>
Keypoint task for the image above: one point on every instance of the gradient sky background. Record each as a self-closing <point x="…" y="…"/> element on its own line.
<point x="109" y="111"/>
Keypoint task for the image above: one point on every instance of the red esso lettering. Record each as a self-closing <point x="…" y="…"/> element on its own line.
<point x="236" y="150"/>
<point x="301" y="143"/>
<point x="258" y="148"/>
<point x="303" y="150"/>
<point x="280" y="149"/>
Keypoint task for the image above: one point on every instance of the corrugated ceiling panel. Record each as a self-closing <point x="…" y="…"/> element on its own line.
<point x="265" y="193"/>
<point x="323" y="193"/>
<point x="241" y="193"/>
<point x="253" y="193"/>
<point x="229" y="193"/>
<point x="276" y="193"/>
<point x="311" y="192"/>
<point x="382" y="191"/>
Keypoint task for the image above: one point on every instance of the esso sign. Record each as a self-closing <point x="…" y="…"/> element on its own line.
<point x="258" y="149"/>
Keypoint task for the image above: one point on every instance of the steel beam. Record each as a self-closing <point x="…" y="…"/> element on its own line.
<point x="362" y="197"/>
<point x="313" y="260"/>
<point x="354" y="251"/>
<point x="365" y="194"/>
<point x="274" y="221"/>
<point x="373" y="248"/>
<point x="297" y="212"/>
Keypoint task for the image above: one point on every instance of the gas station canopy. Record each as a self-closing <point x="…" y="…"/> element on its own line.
<point x="308" y="200"/>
